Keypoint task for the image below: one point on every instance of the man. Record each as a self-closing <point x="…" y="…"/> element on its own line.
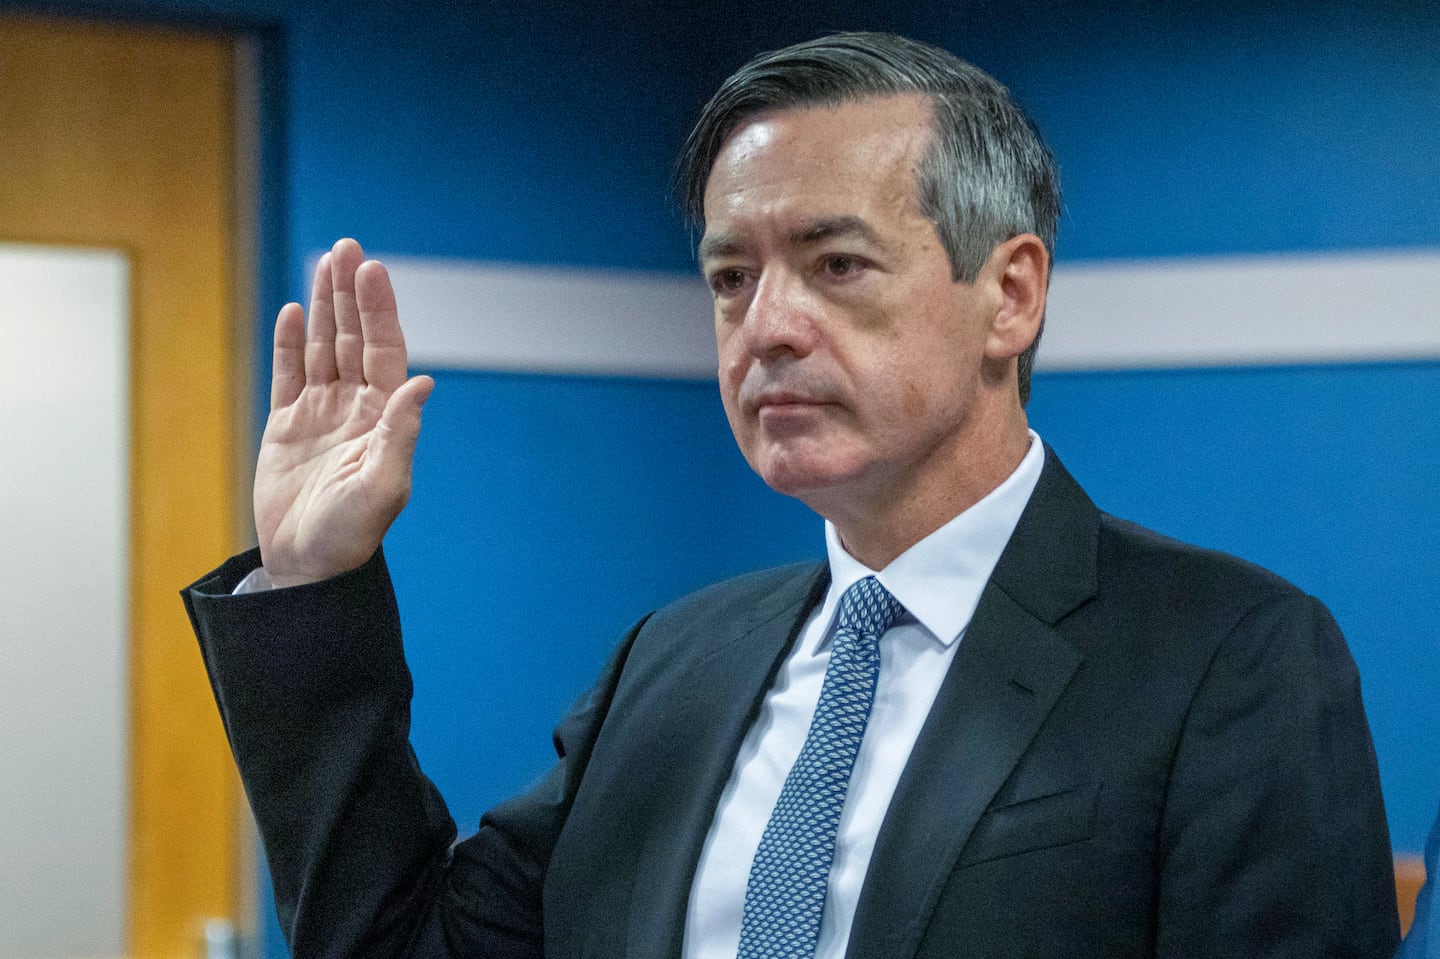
<point x="995" y="723"/>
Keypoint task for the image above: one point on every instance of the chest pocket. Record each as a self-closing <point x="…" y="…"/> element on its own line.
<point x="1028" y="825"/>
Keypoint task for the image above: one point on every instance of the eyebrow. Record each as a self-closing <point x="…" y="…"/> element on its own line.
<point x="816" y="231"/>
<point x="831" y="227"/>
<point x="719" y="244"/>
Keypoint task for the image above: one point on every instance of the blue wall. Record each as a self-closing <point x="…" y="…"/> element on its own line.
<point x="545" y="133"/>
<point x="1182" y="129"/>
<point x="549" y="514"/>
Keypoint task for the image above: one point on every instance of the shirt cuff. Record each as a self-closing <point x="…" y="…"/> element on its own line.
<point x="258" y="581"/>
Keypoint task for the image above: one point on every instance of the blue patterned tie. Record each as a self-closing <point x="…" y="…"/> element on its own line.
<point x="785" y="897"/>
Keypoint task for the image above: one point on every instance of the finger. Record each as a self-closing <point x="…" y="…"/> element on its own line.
<point x="385" y="358"/>
<point x="320" y="337"/>
<point x="395" y="436"/>
<point x="287" y="377"/>
<point x="345" y="258"/>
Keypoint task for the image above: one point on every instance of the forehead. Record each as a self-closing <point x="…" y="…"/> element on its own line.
<point x="855" y="158"/>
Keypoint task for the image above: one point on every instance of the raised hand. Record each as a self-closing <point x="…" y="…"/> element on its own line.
<point x="334" y="468"/>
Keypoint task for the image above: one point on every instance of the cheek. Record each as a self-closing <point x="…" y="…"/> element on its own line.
<point x="733" y="364"/>
<point x="732" y="407"/>
<point x="898" y="387"/>
<point x="731" y="377"/>
<point x="913" y="401"/>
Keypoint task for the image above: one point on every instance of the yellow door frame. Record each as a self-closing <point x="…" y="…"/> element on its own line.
<point x="125" y="136"/>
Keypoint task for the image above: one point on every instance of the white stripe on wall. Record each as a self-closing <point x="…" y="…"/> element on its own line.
<point x="461" y="314"/>
<point x="1273" y="309"/>
<point x="1210" y="311"/>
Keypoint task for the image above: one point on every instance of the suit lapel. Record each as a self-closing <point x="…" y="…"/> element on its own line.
<point x="1010" y="670"/>
<point x="722" y="695"/>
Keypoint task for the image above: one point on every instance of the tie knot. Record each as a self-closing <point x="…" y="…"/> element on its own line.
<point x="868" y="609"/>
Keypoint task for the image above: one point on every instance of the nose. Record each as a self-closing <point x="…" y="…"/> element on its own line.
<point x="780" y="318"/>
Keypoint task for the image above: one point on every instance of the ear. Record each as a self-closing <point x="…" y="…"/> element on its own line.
<point x="1021" y="266"/>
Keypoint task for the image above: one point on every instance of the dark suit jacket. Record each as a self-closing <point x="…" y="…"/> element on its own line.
<point x="1141" y="749"/>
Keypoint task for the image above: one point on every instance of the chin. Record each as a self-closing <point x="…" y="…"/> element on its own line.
<point x="806" y="466"/>
<point x="803" y="480"/>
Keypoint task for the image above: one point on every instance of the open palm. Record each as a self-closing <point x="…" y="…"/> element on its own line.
<point x="334" y="467"/>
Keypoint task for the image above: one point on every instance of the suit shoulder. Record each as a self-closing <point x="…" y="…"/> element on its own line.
<point x="1123" y="540"/>
<point x="744" y="595"/>
<point x="768" y="604"/>
<point x="1165" y="573"/>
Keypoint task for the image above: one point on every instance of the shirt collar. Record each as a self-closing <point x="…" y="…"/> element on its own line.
<point x="939" y="580"/>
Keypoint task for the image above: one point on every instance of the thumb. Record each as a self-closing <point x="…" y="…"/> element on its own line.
<point x="398" y="431"/>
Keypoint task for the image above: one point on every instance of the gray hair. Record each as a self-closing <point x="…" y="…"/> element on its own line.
<point x="986" y="176"/>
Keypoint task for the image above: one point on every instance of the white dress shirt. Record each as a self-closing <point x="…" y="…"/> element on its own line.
<point x="939" y="581"/>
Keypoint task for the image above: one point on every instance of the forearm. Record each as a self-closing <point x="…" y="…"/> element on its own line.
<point x="314" y="693"/>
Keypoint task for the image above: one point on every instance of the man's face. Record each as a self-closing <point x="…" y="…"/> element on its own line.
<point x="849" y="360"/>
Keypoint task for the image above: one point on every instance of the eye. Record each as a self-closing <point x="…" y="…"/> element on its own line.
<point x="727" y="281"/>
<point x="840" y="265"/>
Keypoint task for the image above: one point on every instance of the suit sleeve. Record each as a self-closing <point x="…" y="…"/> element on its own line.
<point x="314" y="694"/>
<point x="1274" y="842"/>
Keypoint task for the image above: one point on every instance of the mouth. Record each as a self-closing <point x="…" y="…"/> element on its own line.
<point x="786" y="399"/>
<point x="792" y="392"/>
<point x="779" y="401"/>
<point x="781" y="414"/>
